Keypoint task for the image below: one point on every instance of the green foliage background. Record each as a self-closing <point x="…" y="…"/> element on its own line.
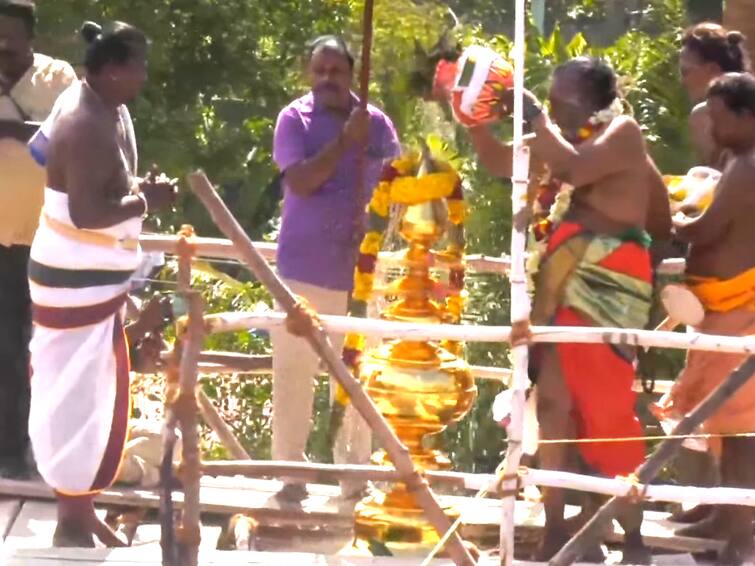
<point x="220" y="70"/>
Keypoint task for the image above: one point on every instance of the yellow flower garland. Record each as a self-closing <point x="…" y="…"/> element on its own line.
<point x="414" y="190"/>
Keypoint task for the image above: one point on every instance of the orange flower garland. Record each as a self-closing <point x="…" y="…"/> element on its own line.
<point x="399" y="184"/>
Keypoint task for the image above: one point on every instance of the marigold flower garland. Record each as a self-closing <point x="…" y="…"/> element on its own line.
<point x="399" y="184"/>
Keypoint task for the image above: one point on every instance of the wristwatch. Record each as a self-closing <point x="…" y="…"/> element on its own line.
<point x="532" y="109"/>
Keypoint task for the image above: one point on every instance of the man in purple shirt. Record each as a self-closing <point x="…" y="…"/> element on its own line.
<point x="318" y="139"/>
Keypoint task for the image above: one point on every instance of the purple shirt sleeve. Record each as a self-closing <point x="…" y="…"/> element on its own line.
<point x="390" y="143"/>
<point x="288" y="141"/>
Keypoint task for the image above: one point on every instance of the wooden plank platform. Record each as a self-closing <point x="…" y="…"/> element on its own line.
<point x="325" y="512"/>
<point x="130" y="557"/>
<point x="9" y="510"/>
<point x="28" y="544"/>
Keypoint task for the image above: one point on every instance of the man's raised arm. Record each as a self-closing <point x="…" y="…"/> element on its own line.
<point x="305" y="175"/>
<point x="495" y="156"/>
<point x="619" y="148"/>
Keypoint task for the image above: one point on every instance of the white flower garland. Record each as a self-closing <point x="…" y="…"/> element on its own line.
<point x="613" y="110"/>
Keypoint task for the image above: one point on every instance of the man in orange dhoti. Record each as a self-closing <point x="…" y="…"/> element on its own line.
<point x="722" y="275"/>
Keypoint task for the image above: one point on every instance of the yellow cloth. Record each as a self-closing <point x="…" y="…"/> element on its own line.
<point x="90" y="237"/>
<point x="718" y="295"/>
<point x="729" y="311"/>
<point x="22" y="181"/>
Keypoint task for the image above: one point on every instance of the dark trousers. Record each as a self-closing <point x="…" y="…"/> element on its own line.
<point x="15" y="333"/>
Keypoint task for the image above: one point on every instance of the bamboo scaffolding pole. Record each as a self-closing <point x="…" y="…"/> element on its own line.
<point x="232" y="362"/>
<point x="232" y="322"/>
<point x="305" y="471"/>
<point x="169" y="439"/>
<point x="217" y="248"/>
<point x="181" y="545"/>
<point x="188" y="534"/>
<point x="323" y="473"/>
<point x="169" y="541"/>
<point x="242" y="362"/>
<point x="653" y="465"/>
<point x="620" y="488"/>
<point x="220" y="427"/>
<point x="220" y="248"/>
<point x="520" y="302"/>
<point x="320" y="342"/>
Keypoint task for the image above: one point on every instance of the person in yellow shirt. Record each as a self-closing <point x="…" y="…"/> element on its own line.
<point x="29" y="85"/>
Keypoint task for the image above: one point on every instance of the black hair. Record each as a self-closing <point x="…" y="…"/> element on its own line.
<point x="737" y="90"/>
<point x="425" y="63"/>
<point x="116" y="45"/>
<point x="25" y="10"/>
<point x="597" y="80"/>
<point x="713" y="43"/>
<point x="333" y="43"/>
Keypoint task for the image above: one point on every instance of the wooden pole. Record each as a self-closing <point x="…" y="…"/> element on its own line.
<point x="240" y="362"/>
<point x="188" y="534"/>
<point x="181" y="411"/>
<point x="232" y="322"/>
<point x="364" y="97"/>
<point x="326" y="473"/>
<point x="220" y="248"/>
<point x="232" y="362"/>
<point x="653" y="465"/>
<point x="167" y="513"/>
<point x="320" y="342"/>
<point x="520" y="302"/>
<point x="364" y="75"/>
<point x="217" y="424"/>
<point x="168" y="537"/>
<point x="305" y="471"/>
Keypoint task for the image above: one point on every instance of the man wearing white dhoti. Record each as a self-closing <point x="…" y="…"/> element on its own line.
<point x="82" y="258"/>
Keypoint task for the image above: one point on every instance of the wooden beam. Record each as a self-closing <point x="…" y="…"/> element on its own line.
<point x="232" y="362"/>
<point x="219" y="248"/>
<point x="323" y="512"/>
<point x="220" y="427"/>
<point x="239" y="321"/>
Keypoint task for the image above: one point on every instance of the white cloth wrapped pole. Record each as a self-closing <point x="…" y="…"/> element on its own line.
<point x="223" y="249"/>
<point x="232" y="322"/>
<point x="520" y="302"/>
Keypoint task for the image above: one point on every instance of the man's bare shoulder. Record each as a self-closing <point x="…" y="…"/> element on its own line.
<point x="625" y="135"/>
<point x="740" y="172"/>
<point x="82" y="127"/>
<point x="625" y="127"/>
<point x="737" y="184"/>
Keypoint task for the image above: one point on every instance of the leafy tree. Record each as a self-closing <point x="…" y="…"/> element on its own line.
<point x="220" y="71"/>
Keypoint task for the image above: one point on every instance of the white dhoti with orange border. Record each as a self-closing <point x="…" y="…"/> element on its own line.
<point x="79" y="356"/>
